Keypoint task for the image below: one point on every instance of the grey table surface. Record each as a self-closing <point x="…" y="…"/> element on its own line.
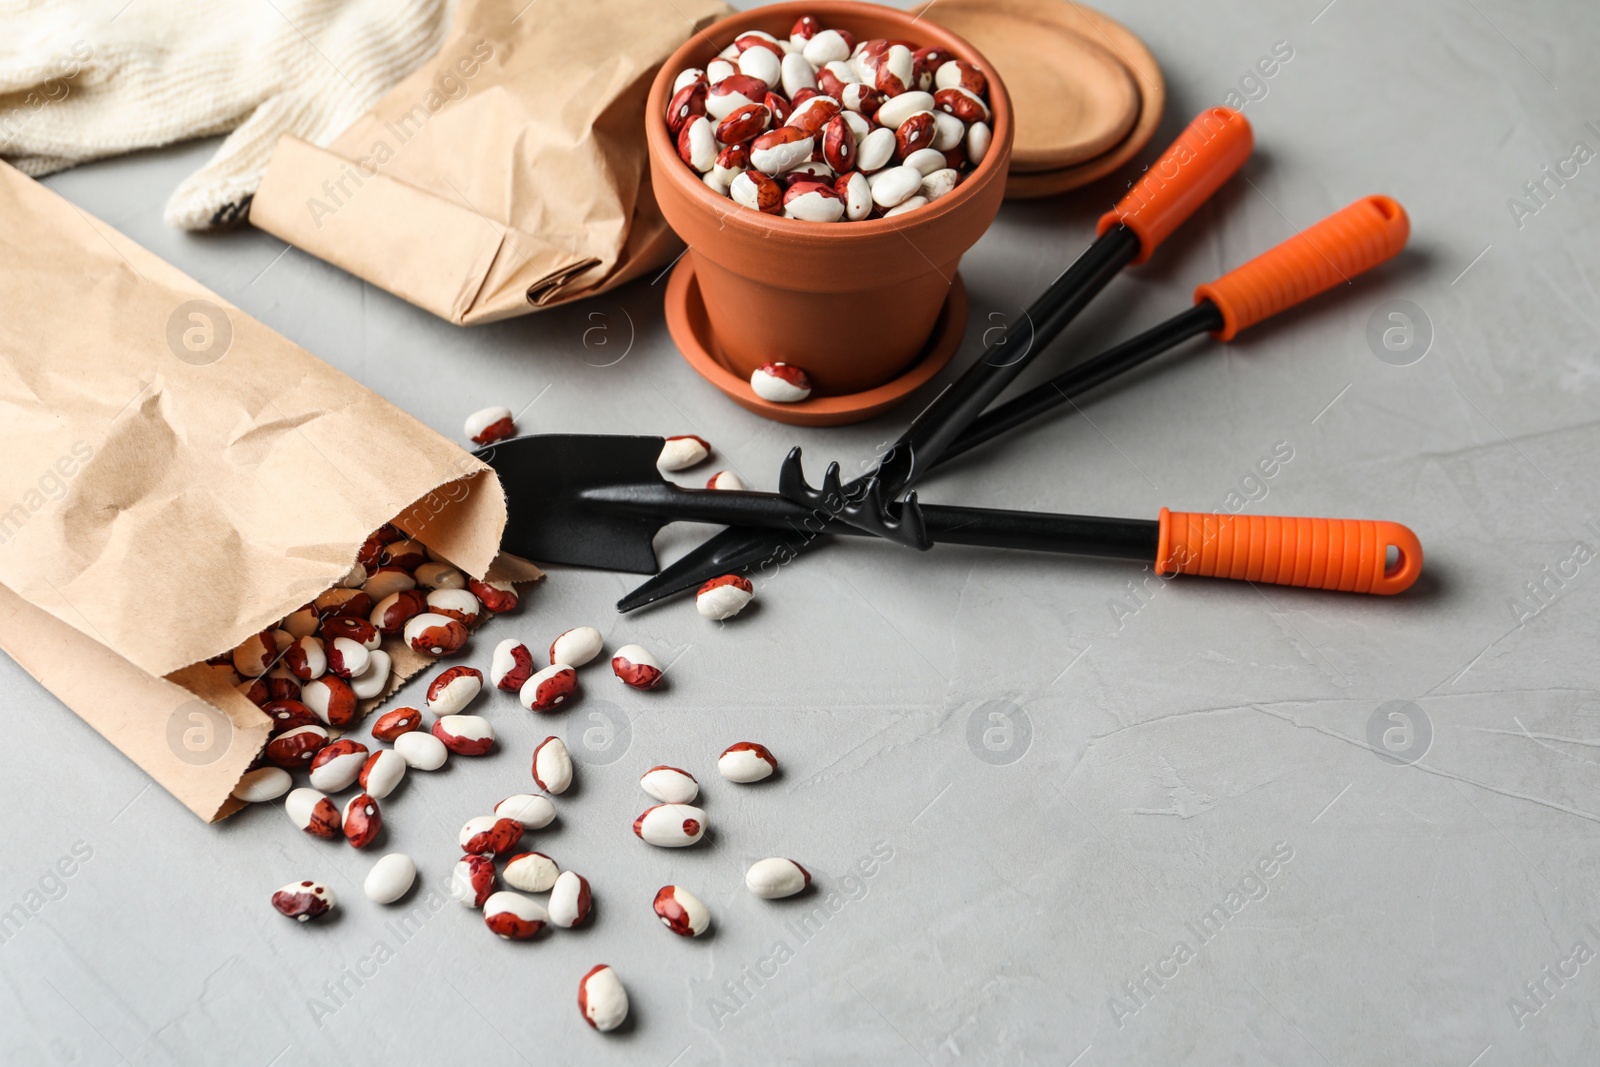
<point x="1056" y="771"/>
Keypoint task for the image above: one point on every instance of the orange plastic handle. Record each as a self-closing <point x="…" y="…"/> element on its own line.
<point x="1347" y="555"/>
<point x="1341" y="246"/>
<point x="1205" y="155"/>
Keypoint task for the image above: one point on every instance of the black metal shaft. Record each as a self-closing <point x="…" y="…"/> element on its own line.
<point x="933" y="431"/>
<point x="1079" y="535"/>
<point x="1033" y="531"/>
<point x="1047" y="396"/>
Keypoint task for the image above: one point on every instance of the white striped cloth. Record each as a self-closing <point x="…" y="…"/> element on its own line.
<point x="85" y="79"/>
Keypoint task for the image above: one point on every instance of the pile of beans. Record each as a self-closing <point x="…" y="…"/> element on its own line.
<point x="312" y="671"/>
<point x="824" y="128"/>
<point x="305" y="673"/>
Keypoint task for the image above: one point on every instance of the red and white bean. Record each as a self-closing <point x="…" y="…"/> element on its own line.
<point x="338" y="765"/>
<point x="331" y="699"/>
<point x="392" y="724"/>
<point x="570" y="900"/>
<point x="489" y="425"/>
<point x="671" y="825"/>
<point x="776" y="877"/>
<point x="303" y="901"/>
<point x="297" y="747"/>
<point x="549" y="688"/>
<point x="531" y="872"/>
<point x="362" y="820"/>
<point x="552" y="766"/>
<point x="346" y="658"/>
<point x="636" y="667"/>
<point x="577" y="646"/>
<point x="784" y="383"/>
<point x="513" y="916"/>
<point x="511" y="665"/>
<point x="490" y="835"/>
<point x="670" y="785"/>
<point x="465" y="735"/>
<point x="306" y="658"/>
<point x="746" y="762"/>
<point x="681" y="911"/>
<point x="602" y="999"/>
<point x="727" y="481"/>
<point x="312" y="812"/>
<point x="472" y="880"/>
<point x="453" y="690"/>
<point x="432" y="634"/>
<point x="529" y="809"/>
<point x="458" y="604"/>
<point x="679" y="453"/>
<point x="382" y="772"/>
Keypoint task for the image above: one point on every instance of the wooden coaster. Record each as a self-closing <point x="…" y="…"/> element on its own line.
<point x="1070" y="17"/>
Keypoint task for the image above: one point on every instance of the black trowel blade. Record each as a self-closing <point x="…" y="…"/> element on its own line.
<point x="545" y="477"/>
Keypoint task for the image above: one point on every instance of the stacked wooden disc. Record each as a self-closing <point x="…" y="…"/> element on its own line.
<point x="1087" y="93"/>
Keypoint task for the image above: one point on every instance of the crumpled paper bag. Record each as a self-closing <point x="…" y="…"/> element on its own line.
<point x="508" y="173"/>
<point x="177" y="476"/>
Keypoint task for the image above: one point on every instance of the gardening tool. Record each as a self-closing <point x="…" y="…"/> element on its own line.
<point x="598" y="501"/>
<point x="1204" y="156"/>
<point x="1341" y="246"/>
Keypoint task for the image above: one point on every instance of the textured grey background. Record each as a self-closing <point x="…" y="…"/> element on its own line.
<point x="1142" y="764"/>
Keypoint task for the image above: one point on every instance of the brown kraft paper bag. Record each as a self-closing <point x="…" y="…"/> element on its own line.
<point x="505" y="175"/>
<point x="179" y="477"/>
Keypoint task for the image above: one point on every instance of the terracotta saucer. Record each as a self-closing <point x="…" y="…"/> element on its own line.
<point x="1074" y="100"/>
<point x="979" y="21"/>
<point x="686" y="321"/>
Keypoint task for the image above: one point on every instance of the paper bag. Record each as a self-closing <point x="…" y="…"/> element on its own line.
<point x="507" y="174"/>
<point x="179" y="477"/>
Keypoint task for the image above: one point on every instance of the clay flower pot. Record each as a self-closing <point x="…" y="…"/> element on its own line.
<point x="853" y="303"/>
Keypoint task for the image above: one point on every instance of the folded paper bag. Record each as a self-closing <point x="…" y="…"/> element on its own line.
<point x="506" y="174"/>
<point x="178" y="477"/>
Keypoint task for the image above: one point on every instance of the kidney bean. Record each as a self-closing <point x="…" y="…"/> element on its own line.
<point x="681" y="911"/>
<point x="338" y="765"/>
<point x="532" y="811"/>
<point x="391" y="724"/>
<point x="776" y="877"/>
<point x="669" y="785"/>
<point x="746" y="762"/>
<point x="305" y="900"/>
<point x="312" y="812"/>
<point x="671" y="825"/>
<point x="531" y="872"/>
<point x="490" y="834"/>
<point x="570" y="900"/>
<point x="602" y="999"/>
<point x="362" y="820"/>
<point x="465" y="735"/>
<point x="472" y="880"/>
<point x="453" y="690"/>
<point x="513" y="916"/>
<point x="552" y="766"/>
<point x="390" y="878"/>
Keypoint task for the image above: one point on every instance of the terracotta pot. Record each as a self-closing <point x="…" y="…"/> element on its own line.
<point x="853" y="303"/>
